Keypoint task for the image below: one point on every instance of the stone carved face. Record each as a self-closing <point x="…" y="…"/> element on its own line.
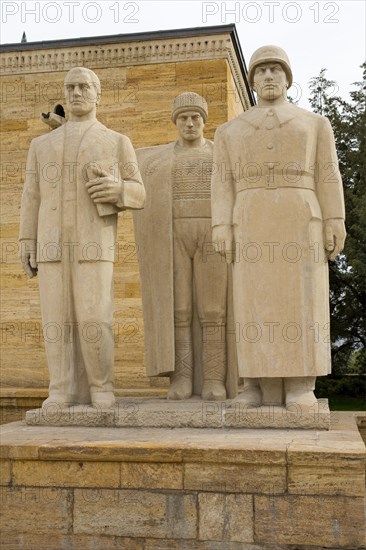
<point x="81" y="93"/>
<point x="270" y="81"/>
<point x="190" y="125"/>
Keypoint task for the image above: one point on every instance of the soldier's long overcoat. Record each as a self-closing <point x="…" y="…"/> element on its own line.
<point x="276" y="180"/>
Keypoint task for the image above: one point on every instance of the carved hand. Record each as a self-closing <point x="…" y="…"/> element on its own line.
<point x="105" y="188"/>
<point x="28" y="257"/>
<point x="334" y="237"/>
<point x="222" y="237"/>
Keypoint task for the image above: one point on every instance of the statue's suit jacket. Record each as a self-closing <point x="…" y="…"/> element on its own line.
<point x="43" y="194"/>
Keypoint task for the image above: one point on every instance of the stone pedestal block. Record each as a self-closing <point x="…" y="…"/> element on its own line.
<point x="187" y="489"/>
<point x="192" y="413"/>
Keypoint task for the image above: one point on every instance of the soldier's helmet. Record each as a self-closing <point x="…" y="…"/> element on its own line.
<point x="270" y="54"/>
<point x="189" y="101"/>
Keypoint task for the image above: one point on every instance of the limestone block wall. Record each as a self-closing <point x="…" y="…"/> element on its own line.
<point x="136" y="99"/>
<point x="183" y="489"/>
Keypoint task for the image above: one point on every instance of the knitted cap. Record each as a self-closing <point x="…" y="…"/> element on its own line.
<point x="189" y="101"/>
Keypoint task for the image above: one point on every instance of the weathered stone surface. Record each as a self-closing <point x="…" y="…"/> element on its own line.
<point x="135" y="514"/>
<point x="5" y="472"/>
<point x="136" y="475"/>
<point x="154" y="509"/>
<point x="225" y="517"/>
<point x="65" y="474"/>
<point x="191" y="413"/>
<point x="318" y="520"/>
<point x="36" y="510"/>
<point x="235" y="478"/>
<point x="320" y="480"/>
<point x="34" y="541"/>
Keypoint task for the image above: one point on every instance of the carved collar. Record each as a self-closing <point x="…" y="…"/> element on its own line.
<point x="256" y="115"/>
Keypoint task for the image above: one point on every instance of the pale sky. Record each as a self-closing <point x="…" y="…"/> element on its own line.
<point x="315" y="34"/>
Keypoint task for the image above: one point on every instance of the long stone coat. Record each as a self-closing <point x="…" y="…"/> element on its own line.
<point x="154" y="238"/>
<point x="276" y="179"/>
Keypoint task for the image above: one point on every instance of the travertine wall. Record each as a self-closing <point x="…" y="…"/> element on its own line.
<point x="192" y="489"/>
<point x="136" y="101"/>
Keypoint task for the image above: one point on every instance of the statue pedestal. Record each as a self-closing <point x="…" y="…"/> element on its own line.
<point x="190" y="489"/>
<point x="193" y="413"/>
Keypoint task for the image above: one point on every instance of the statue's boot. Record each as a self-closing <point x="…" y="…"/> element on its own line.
<point x="300" y="391"/>
<point x="251" y="396"/>
<point x="181" y="381"/>
<point x="214" y="371"/>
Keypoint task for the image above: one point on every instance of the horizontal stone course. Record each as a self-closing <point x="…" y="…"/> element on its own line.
<point x="191" y="413"/>
<point x="35" y="510"/>
<point x="183" y="489"/>
<point x="66" y="474"/>
<point x="135" y="513"/>
<point x="317" y="520"/>
<point x="235" y="478"/>
<point x="326" y="480"/>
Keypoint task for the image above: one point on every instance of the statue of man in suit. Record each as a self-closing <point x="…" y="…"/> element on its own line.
<point x="78" y="177"/>
<point x="277" y="195"/>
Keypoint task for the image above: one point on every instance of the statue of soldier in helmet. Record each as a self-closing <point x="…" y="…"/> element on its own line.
<point x="277" y="202"/>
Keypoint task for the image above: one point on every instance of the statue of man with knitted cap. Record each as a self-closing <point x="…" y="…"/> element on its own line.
<point x="277" y="202"/>
<point x="184" y="280"/>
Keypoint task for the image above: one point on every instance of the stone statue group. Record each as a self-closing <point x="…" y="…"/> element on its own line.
<point x="233" y="237"/>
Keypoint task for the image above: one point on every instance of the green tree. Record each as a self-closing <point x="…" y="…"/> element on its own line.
<point x="348" y="272"/>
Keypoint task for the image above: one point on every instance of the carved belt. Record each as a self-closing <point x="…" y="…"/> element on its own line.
<point x="303" y="181"/>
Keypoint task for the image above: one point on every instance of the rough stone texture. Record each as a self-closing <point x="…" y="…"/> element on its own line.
<point x="202" y="489"/>
<point x="225" y="517"/>
<point x="30" y="541"/>
<point x="35" y="510"/>
<point x="135" y="513"/>
<point x="236" y="478"/>
<point x="34" y="541"/>
<point x="192" y="413"/>
<point x="151" y="476"/>
<point x="348" y="480"/>
<point x="5" y="472"/>
<point x="320" y="520"/>
<point x="66" y="474"/>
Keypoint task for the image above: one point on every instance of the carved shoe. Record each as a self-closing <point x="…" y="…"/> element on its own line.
<point x="56" y="399"/>
<point x="103" y="399"/>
